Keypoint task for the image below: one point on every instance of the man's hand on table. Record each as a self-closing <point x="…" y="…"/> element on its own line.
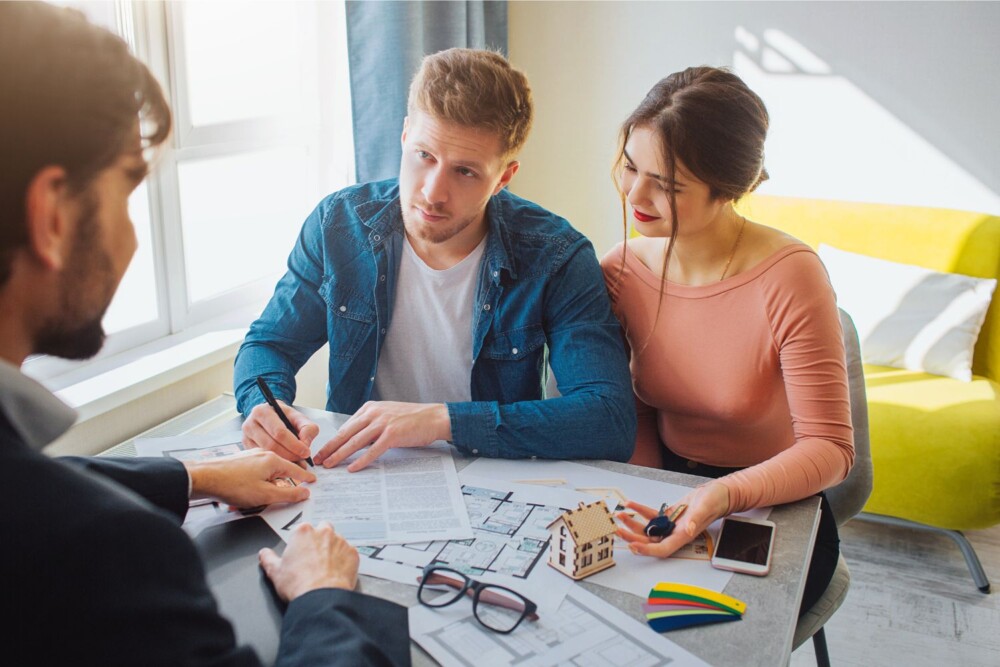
<point x="249" y="479"/>
<point x="705" y="504"/>
<point x="263" y="428"/>
<point x="315" y="558"/>
<point x="383" y="425"/>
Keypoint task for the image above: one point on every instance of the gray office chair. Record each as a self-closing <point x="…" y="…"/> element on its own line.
<point x="846" y="500"/>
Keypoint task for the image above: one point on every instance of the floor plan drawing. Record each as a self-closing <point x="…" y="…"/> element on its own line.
<point x="586" y="632"/>
<point x="509" y="538"/>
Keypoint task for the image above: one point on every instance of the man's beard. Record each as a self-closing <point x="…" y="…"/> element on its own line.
<point x="73" y="333"/>
<point x="431" y="232"/>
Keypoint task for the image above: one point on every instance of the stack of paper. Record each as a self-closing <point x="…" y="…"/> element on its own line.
<point x="672" y="606"/>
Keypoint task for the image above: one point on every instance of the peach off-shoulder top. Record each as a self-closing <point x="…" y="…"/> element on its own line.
<point x="748" y="372"/>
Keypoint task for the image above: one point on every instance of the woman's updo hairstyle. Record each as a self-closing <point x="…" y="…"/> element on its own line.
<point x="712" y="122"/>
<point x="707" y="118"/>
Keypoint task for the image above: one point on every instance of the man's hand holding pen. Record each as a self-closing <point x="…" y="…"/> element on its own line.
<point x="276" y="427"/>
<point x="264" y="429"/>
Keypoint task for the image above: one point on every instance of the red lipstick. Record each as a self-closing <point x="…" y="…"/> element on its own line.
<point x="642" y="217"/>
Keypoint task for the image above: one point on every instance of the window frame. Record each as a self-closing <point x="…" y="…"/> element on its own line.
<point x="154" y="32"/>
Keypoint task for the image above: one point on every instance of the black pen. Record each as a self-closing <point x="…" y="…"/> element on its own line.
<point x="269" y="397"/>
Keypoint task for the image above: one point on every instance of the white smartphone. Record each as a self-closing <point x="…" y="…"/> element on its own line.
<point x="744" y="545"/>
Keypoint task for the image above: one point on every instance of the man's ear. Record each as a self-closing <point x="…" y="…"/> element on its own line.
<point x="406" y="126"/>
<point x="47" y="217"/>
<point x="507" y="175"/>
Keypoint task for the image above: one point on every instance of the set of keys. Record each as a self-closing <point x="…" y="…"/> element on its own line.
<point x="662" y="525"/>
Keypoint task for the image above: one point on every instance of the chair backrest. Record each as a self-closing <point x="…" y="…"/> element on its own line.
<point x="849" y="497"/>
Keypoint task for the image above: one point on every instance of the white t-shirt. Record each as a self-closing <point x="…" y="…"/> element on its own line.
<point x="427" y="352"/>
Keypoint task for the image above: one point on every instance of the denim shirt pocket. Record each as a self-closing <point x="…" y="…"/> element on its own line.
<point x="350" y="318"/>
<point x="516" y="344"/>
<point x="511" y="365"/>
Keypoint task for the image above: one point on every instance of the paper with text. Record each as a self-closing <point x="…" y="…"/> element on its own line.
<point x="406" y="495"/>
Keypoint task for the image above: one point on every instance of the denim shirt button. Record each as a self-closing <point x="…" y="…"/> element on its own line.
<point x="486" y="306"/>
<point x="381" y="278"/>
<point x="371" y="379"/>
<point x="496" y="273"/>
<point x="383" y="331"/>
<point x="475" y="451"/>
<point x="343" y="309"/>
<point x="514" y="351"/>
<point x="376" y="238"/>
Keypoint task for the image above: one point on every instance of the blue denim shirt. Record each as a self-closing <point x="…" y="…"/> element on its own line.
<point x="540" y="301"/>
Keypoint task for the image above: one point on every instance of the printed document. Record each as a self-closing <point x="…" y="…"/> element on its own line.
<point x="406" y="495"/>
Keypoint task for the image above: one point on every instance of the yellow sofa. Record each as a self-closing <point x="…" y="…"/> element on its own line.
<point x="935" y="441"/>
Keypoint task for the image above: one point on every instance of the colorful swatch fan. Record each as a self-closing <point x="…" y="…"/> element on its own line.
<point x="671" y="606"/>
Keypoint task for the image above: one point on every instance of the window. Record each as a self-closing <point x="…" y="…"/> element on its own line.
<point x="562" y="559"/>
<point x="587" y="560"/>
<point x="603" y="553"/>
<point x="262" y="131"/>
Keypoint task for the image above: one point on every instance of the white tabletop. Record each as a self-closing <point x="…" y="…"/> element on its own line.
<point x="763" y="637"/>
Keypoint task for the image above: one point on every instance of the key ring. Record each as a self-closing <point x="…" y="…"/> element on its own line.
<point x="661" y="525"/>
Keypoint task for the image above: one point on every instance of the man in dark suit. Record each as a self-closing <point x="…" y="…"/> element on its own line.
<point x="96" y="569"/>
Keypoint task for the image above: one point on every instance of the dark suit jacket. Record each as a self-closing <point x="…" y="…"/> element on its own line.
<point x="97" y="571"/>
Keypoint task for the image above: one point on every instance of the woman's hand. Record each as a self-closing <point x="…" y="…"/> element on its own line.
<point x="705" y="504"/>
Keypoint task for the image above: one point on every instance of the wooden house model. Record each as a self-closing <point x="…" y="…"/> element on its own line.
<point x="582" y="540"/>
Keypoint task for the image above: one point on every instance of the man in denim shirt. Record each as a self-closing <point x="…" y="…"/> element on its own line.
<point x="445" y="298"/>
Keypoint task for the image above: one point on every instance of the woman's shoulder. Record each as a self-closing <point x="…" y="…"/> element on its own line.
<point x="764" y="243"/>
<point x="648" y="251"/>
<point x="770" y="251"/>
<point x="791" y="275"/>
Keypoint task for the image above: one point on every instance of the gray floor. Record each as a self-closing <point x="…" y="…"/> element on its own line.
<point x="912" y="601"/>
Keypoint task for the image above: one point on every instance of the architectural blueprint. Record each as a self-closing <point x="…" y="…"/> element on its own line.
<point x="509" y="545"/>
<point x="509" y="537"/>
<point x="633" y="574"/>
<point x="586" y="631"/>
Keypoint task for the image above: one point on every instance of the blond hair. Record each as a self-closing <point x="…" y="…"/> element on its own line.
<point x="478" y="89"/>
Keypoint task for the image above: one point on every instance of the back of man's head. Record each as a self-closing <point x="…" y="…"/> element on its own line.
<point x="70" y="96"/>
<point x="478" y="89"/>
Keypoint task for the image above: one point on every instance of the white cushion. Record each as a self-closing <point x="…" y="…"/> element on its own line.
<point x="908" y="316"/>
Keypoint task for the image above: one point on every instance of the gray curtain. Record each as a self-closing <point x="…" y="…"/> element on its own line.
<point x="386" y="42"/>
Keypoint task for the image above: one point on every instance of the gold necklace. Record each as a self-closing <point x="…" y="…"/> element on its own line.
<point x="733" y="251"/>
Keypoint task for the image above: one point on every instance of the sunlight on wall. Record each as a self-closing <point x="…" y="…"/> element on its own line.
<point x="830" y="140"/>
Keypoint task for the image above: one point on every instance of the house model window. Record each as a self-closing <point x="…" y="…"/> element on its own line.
<point x="575" y="533"/>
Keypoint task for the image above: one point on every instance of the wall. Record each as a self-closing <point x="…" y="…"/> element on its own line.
<point x="891" y="102"/>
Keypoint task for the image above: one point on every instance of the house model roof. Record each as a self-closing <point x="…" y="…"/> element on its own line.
<point x="587" y="522"/>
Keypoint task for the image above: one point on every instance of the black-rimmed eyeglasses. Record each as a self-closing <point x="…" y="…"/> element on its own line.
<point x="502" y="609"/>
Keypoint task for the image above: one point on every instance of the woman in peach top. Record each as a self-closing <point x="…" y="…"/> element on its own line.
<point x="737" y="354"/>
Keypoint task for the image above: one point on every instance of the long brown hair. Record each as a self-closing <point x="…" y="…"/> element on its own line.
<point x="71" y="96"/>
<point x="710" y="121"/>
